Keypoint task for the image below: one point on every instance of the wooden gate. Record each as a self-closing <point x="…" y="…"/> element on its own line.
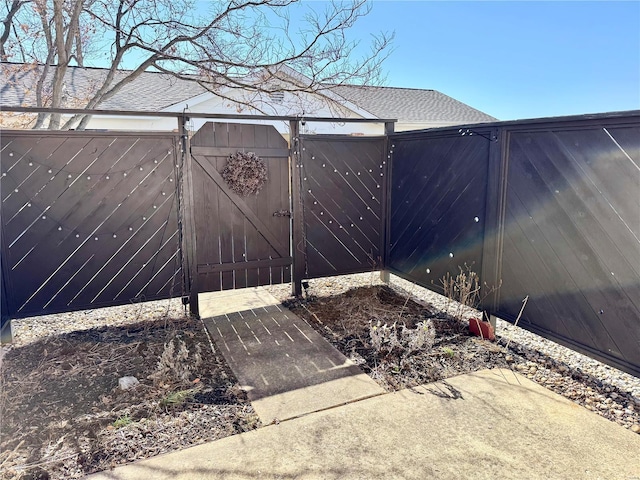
<point x="241" y="241"/>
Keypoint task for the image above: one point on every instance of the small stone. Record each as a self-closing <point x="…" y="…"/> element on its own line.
<point x="533" y="370"/>
<point x="508" y="358"/>
<point x="635" y="428"/>
<point x="127" y="382"/>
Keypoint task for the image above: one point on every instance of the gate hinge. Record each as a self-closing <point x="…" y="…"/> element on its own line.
<point x="282" y="213"/>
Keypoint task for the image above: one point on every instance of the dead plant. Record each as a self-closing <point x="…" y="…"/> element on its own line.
<point x="401" y="340"/>
<point x="464" y="292"/>
<point x="176" y="364"/>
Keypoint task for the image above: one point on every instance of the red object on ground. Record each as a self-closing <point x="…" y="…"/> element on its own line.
<point x="481" y="329"/>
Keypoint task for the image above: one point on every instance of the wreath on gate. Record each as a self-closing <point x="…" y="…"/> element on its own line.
<point x="245" y="173"/>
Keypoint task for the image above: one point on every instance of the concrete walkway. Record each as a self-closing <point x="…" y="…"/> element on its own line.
<point x="337" y="423"/>
<point x="492" y="424"/>
<point x="228" y="301"/>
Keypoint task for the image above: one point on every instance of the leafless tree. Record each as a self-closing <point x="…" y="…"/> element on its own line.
<point x="258" y="47"/>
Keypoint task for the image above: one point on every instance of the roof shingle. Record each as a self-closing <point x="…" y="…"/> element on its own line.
<point x="412" y="105"/>
<point x="151" y="91"/>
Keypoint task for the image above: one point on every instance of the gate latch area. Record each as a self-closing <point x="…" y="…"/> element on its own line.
<point x="282" y="213"/>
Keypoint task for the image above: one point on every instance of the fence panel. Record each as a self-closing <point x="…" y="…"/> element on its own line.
<point x="343" y="193"/>
<point x="438" y="197"/>
<point x="88" y="220"/>
<point x="572" y="237"/>
<point x="563" y="223"/>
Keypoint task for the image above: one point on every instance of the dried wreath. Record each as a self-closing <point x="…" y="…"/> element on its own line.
<point x="245" y="173"/>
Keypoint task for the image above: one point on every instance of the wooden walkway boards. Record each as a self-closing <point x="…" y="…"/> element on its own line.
<point x="285" y="366"/>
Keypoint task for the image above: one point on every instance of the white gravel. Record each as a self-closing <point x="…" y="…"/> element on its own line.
<point x="27" y="330"/>
<point x="599" y="387"/>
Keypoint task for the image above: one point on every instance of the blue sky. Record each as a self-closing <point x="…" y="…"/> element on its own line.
<point x="515" y="59"/>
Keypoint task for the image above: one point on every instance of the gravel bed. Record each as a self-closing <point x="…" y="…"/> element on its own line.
<point x="27" y="330"/>
<point x="598" y="387"/>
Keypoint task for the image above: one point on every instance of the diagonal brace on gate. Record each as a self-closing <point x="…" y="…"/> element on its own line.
<point x="280" y="249"/>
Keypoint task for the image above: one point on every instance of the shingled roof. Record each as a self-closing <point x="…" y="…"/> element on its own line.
<point x="412" y="105"/>
<point x="151" y="91"/>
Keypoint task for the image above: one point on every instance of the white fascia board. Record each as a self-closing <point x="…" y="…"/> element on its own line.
<point x="191" y="103"/>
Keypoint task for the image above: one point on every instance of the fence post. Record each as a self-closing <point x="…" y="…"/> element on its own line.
<point x="190" y="260"/>
<point x="491" y="272"/>
<point x="297" y="213"/>
<point x="5" y="319"/>
<point x="389" y="128"/>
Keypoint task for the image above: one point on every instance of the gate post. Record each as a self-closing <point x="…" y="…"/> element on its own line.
<point x="298" y="245"/>
<point x="190" y="261"/>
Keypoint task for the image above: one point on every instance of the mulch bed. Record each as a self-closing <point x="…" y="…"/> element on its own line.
<point x="64" y="415"/>
<point x="346" y="321"/>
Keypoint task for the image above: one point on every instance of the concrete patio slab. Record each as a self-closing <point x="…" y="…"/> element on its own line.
<point x="286" y="367"/>
<point x="228" y="301"/>
<point x="493" y="424"/>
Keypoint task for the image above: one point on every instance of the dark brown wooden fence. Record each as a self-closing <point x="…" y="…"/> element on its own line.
<point x="437" y="205"/>
<point x="240" y="241"/>
<point x="88" y="220"/>
<point x="571" y="236"/>
<point x="550" y="208"/>
<point x="343" y="194"/>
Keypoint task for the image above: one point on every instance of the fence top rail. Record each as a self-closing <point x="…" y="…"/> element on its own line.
<point x="187" y="114"/>
<point x="632" y="116"/>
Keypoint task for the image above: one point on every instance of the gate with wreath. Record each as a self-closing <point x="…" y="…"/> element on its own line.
<point x="240" y="240"/>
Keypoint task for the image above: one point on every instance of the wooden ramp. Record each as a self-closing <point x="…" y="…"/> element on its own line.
<point x="285" y="366"/>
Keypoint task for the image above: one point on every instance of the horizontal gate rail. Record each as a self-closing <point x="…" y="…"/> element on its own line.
<point x="228" y="267"/>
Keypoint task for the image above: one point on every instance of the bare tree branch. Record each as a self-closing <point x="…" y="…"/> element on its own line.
<point x="248" y="46"/>
<point x="7" y="24"/>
